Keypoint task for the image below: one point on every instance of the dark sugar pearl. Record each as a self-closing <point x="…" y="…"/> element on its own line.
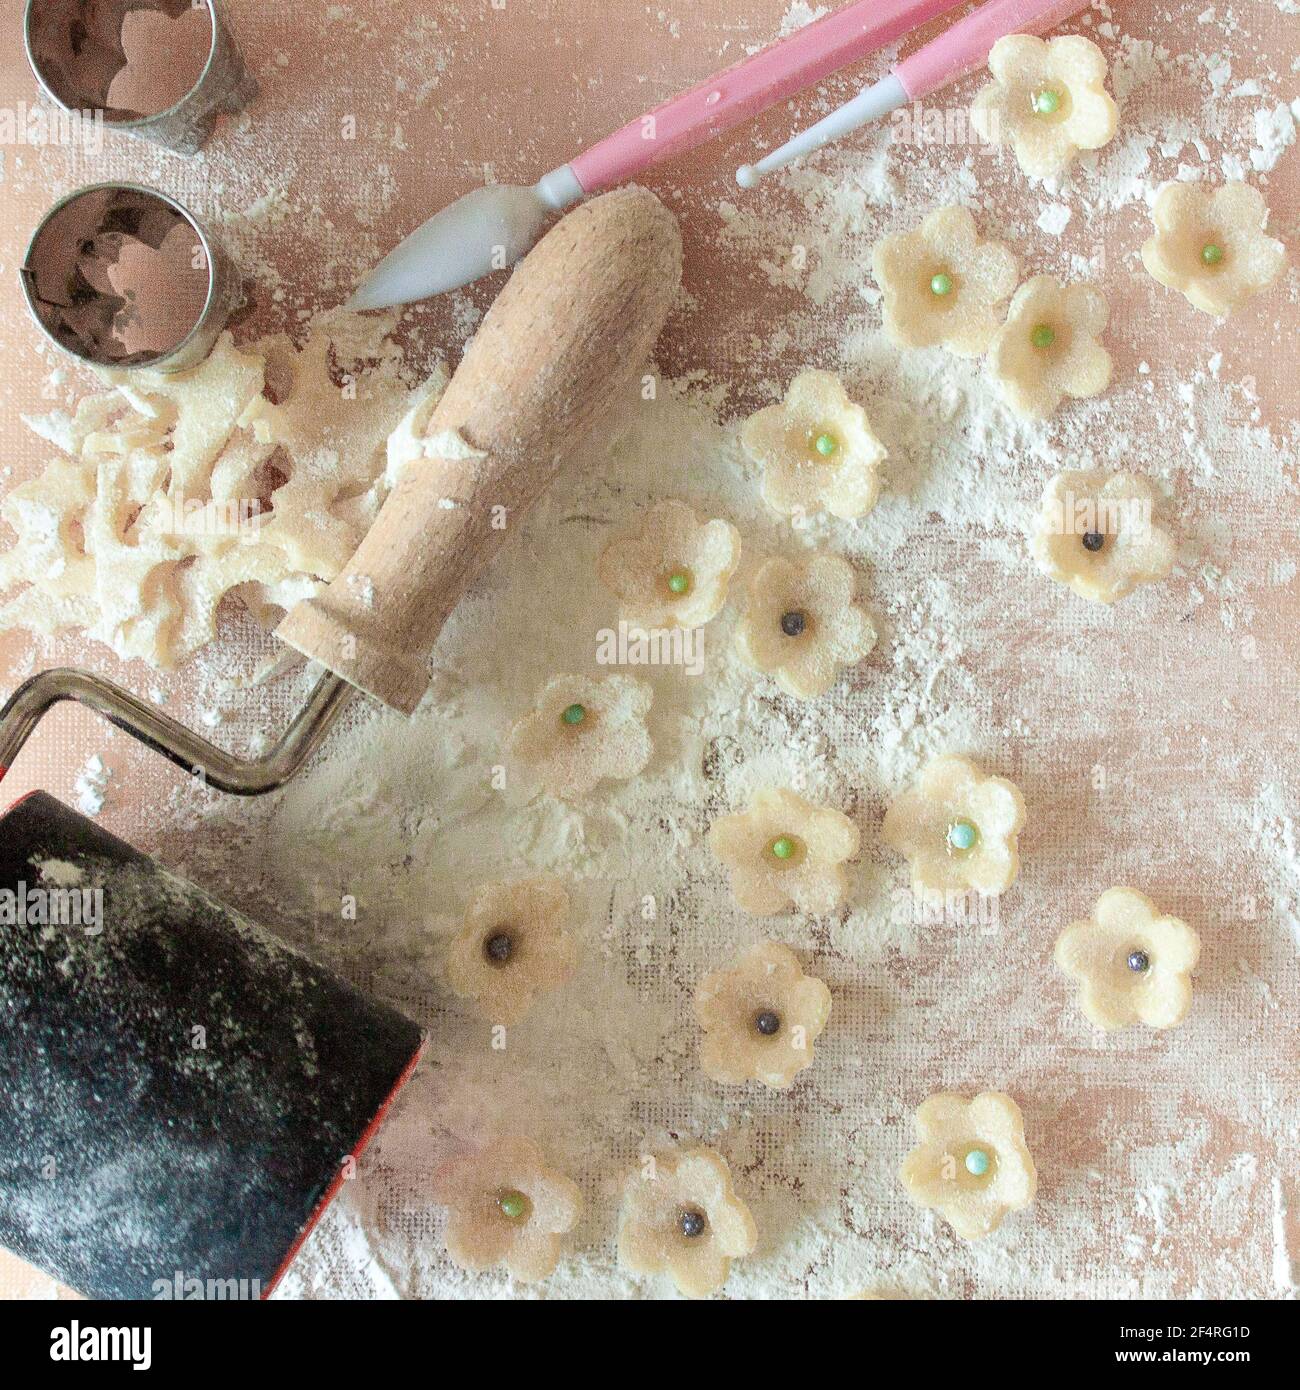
<point x="499" y="947"/>
<point x="793" y="623"/>
<point x="691" y="1224"/>
<point x="767" y="1023"/>
<point x="1138" y="961"/>
<point x="1093" y="540"/>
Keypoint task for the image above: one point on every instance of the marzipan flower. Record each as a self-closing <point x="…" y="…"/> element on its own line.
<point x="512" y="946"/>
<point x="1048" y="347"/>
<point x="1049" y="99"/>
<point x="583" y="730"/>
<point x="1133" y="964"/>
<point x="942" y="284"/>
<point x="972" y="1165"/>
<point x="506" y="1207"/>
<point x="818" y="450"/>
<point x="760" y="1018"/>
<point x="681" y="1215"/>
<point x="1210" y="245"/>
<point x="675" y="571"/>
<point x="958" y="828"/>
<point x="1096" y="532"/>
<point x="785" y="851"/>
<point x="801" y="625"/>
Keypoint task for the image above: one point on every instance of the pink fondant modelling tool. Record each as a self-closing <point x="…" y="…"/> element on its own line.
<point x="957" y="51"/>
<point x="492" y="227"/>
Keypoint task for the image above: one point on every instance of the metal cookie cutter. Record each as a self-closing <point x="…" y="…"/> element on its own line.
<point x="122" y="276"/>
<point x="159" y="69"/>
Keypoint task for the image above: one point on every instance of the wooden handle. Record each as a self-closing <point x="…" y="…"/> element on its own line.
<point x="561" y="346"/>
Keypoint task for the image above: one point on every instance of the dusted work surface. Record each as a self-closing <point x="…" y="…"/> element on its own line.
<point x="1155" y="742"/>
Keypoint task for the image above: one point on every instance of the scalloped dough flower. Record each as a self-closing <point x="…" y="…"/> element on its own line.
<point x="800" y="624"/>
<point x="942" y="284"/>
<point x="817" y="449"/>
<point x="1049" y="98"/>
<point x="784" y="851"/>
<point x="1209" y="244"/>
<point x="583" y="730"/>
<point x="1048" y="347"/>
<point x="512" y="946"/>
<point x="674" y="572"/>
<point x="958" y="828"/>
<point x="760" y="1018"/>
<point x="681" y="1215"/>
<point x="506" y="1207"/>
<point x="1096" y="532"/>
<point x="1133" y="965"/>
<point x="972" y="1165"/>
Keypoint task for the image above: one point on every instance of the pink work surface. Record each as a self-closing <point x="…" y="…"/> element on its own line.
<point x="1156" y="743"/>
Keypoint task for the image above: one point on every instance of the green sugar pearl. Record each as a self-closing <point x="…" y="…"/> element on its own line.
<point x="679" y="582"/>
<point x="782" y="847"/>
<point x="941" y="284"/>
<point x="1047" y="102"/>
<point x="1043" y="336"/>
<point x="574" y="714"/>
<point x="961" y="834"/>
<point x="514" y="1204"/>
<point x="1211" y="253"/>
<point x="825" y="445"/>
<point x="977" y="1163"/>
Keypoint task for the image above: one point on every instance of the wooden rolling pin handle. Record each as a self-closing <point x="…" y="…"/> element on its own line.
<point x="564" y="343"/>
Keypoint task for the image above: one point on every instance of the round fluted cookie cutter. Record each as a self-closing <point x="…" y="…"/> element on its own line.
<point x="76" y="49"/>
<point x="120" y="275"/>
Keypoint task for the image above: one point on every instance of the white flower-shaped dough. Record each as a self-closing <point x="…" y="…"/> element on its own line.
<point x="958" y="827"/>
<point x="801" y="624"/>
<point x="674" y="572"/>
<point x="1209" y="244"/>
<point x="1048" y="347"/>
<point x="972" y="1164"/>
<point x="942" y="284"/>
<point x="1049" y="99"/>
<point x="582" y="731"/>
<point x="1096" y="532"/>
<point x="785" y="851"/>
<point x="1132" y="963"/>
<point x="817" y="449"/>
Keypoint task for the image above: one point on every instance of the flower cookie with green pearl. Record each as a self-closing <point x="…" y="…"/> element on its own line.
<point x="958" y="827"/>
<point x="681" y="1216"/>
<point x="1210" y="245"/>
<point x="817" y="449"/>
<point x="972" y="1165"/>
<point x="581" y="731"/>
<point x="1133" y="963"/>
<point x="760" y="1018"/>
<point x="942" y="284"/>
<point x="674" y="572"/>
<point x="1049" y="99"/>
<point x="1048" y="347"/>
<point x="801" y="625"/>
<point x="785" y="852"/>
<point x="507" y="1207"/>
<point x="1096" y="532"/>
<point x="511" y="947"/>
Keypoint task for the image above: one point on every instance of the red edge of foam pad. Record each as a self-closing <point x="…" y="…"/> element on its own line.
<point x="15" y="805"/>
<point x="358" y="1149"/>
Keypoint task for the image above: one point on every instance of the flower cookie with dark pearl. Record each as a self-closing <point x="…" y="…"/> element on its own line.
<point x="511" y="947"/>
<point x="674" y="572"/>
<point x="1133" y="964"/>
<point x="942" y="284"/>
<point x="1210" y="244"/>
<point x="581" y="731"/>
<point x="972" y="1165"/>
<point x="785" y="852"/>
<point x="801" y="625"/>
<point x="507" y="1206"/>
<point x="1048" y="99"/>
<point x="817" y="449"/>
<point x="958" y="827"/>
<point x="1096" y="532"/>
<point x="760" y="1018"/>
<point x="1048" y="347"/>
<point x="681" y="1216"/>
